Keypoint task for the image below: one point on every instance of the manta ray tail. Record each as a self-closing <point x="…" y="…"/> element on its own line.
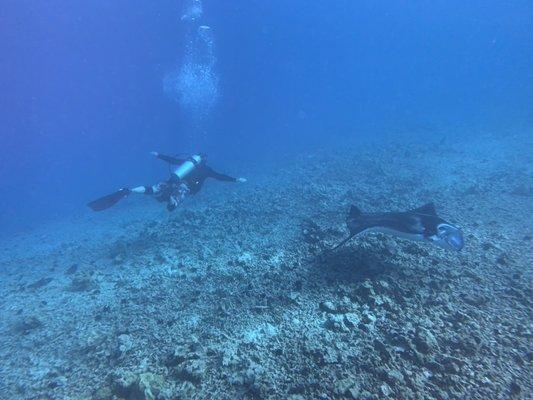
<point x="342" y="243"/>
<point x="354" y="225"/>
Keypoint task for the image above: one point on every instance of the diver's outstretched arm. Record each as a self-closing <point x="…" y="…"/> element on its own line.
<point x="219" y="177"/>
<point x="168" y="159"/>
<point x="222" y="177"/>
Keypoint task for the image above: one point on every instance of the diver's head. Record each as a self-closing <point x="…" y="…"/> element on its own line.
<point x="448" y="237"/>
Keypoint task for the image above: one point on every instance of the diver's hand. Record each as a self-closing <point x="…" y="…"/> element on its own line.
<point x="154" y="153"/>
<point x="158" y="187"/>
<point x="241" y="180"/>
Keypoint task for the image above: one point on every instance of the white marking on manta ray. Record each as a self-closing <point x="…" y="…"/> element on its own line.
<point x="418" y="225"/>
<point x="409" y="236"/>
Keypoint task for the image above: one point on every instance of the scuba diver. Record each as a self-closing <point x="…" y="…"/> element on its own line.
<point x="186" y="179"/>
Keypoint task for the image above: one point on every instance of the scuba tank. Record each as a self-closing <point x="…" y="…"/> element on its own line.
<point x="188" y="166"/>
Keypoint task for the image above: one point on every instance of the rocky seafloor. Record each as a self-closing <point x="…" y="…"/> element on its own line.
<point x="233" y="296"/>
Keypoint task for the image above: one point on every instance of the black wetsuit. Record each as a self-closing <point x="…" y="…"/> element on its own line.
<point x="197" y="176"/>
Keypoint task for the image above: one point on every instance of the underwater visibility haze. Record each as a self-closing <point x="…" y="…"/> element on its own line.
<point x="266" y="199"/>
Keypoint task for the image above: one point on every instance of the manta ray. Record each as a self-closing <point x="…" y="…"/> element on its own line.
<point x="421" y="224"/>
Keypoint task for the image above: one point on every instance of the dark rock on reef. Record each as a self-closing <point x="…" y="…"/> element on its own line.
<point x="72" y="269"/>
<point x="475" y="300"/>
<point x="515" y="389"/>
<point x="187" y="362"/>
<point x="335" y="323"/>
<point x="129" y="386"/>
<point x="40" y="283"/>
<point x="365" y="290"/>
<point x="351" y="320"/>
<point x="328" y="307"/>
<point x="27" y="325"/>
<point x="425" y="342"/>
<point x="348" y="388"/>
<point x="183" y="352"/>
<point x="382" y="350"/>
<point x="320" y="353"/>
<point x="191" y="370"/>
<point x="504" y="260"/>
<point x="83" y="283"/>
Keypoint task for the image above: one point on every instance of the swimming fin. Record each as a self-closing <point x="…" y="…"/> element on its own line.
<point x="107" y="201"/>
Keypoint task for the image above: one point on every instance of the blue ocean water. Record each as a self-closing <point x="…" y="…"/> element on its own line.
<point x="409" y="121"/>
<point x="83" y="97"/>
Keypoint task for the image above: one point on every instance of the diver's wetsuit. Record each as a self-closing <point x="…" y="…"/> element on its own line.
<point x="197" y="177"/>
<point x="175" y="189"/>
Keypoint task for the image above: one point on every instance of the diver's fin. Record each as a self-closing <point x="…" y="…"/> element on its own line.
<point x="343" y="242"/>
<point x="427" y="209"/>
<point x="107" y="201"/>
<point x="354" y="212"/>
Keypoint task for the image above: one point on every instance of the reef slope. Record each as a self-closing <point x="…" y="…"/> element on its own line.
<point x="233" y="296"/>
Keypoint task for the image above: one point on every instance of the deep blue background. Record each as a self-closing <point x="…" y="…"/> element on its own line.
<point x="82" y="100"/>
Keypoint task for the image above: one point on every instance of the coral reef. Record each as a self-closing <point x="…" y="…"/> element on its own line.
<point x="236" y="296"/>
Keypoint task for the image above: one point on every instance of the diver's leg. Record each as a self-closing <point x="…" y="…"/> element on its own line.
<point x="155" y="189"/>
<point x="140" y="189"/>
